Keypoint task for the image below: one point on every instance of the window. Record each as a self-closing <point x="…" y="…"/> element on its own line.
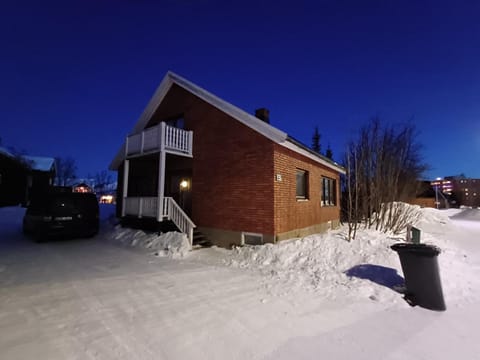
<point x="329" y="191"/>
<point x="177" y="121"/>
<point x="252" y="239"/>
<point x="302" y="184"/>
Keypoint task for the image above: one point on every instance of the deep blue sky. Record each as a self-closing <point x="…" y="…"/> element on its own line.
<point x="76" y="75"/>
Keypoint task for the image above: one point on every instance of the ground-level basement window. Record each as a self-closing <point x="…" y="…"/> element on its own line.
<point x="329" y="191"/>
<point x="252" y="239"/>
<point x="302" y="184"/>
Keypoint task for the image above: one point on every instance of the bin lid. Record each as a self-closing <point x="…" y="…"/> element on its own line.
<point x="420" y="249"/>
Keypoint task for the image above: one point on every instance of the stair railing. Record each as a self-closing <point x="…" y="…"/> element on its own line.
<point x="175" y="213"/>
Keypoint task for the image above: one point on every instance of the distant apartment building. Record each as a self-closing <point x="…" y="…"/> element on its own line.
<point x="460" y="190"/>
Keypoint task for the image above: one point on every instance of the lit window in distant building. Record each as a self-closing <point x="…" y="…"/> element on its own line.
<point x="82" y="188"/>
<point x="107" y="199"/>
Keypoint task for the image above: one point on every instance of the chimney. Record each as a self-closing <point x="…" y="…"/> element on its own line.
<point x="263" y="114"/>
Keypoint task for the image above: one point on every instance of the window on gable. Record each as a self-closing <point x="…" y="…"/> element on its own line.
<point x="302" y="184"/>
<point x="177" y="121"/>
<point x="329" y="191"/>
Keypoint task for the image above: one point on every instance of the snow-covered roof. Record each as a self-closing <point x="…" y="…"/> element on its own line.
<point x="34" y="162"/>
<point x="4" y="151"/>
<point x="245" y="118"/>
<point x="40" y="163"/>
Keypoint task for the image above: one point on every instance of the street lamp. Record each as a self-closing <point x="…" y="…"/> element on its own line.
<point x="436" y="191"/>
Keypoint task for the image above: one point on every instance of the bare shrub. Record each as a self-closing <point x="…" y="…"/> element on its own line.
<point x="383" y="167"/>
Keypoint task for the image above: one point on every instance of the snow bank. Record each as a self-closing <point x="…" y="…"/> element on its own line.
<point x="433" y="219"/>
<point x="330" y="266"/>
<point x="325" y="264"/>
<point x="171" y="244"/>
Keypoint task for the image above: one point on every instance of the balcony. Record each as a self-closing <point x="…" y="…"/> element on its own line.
<point x="154" y="139"/>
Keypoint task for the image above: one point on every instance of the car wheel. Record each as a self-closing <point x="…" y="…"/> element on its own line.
<point x="91" y="234"/>
<point x="25" y="229"/>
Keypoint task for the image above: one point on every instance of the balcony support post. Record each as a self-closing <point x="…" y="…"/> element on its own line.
<point x="126" y="165"/>
<point x="161" y="173"/>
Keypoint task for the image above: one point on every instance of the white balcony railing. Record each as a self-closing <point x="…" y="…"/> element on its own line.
<point x="148" y="207"/>
<point x="160" y="137"/>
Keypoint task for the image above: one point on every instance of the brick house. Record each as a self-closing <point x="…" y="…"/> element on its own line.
<point x="199" y="161"/>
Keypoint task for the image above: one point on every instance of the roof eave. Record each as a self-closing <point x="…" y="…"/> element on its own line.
<point x="300" y="148"/>
<point x="235" y="112"/>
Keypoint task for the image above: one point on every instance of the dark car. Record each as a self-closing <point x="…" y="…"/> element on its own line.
<point x="65" y="214"/>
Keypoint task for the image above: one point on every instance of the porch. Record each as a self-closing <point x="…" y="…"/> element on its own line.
<point x="157" y="176"/>
<point x="148" y="206"/>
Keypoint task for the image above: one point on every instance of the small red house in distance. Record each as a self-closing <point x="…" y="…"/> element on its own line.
<point x="203" y="163"/>
<point x="82" y="188"/>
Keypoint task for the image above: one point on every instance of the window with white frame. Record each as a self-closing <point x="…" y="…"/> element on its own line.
<point x="329" y="191"/>
<point x="302" y="184"/>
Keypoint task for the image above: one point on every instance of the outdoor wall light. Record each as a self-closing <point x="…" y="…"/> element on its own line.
<point x="184" y="184"/>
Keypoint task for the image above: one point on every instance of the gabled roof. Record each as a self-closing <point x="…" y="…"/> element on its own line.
<point x="245" y="118"/>
<point x="40" y="163"/>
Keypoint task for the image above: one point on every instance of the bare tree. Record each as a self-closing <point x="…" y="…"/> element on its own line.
<point x="102" y="179"/>
<point x="66" y="170"/>
<point x="383" y="166"/>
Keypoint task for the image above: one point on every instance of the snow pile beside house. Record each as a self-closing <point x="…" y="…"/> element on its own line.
<point x="171" y="244"/>
<point x="326" y="264"/>
<point x="329" y="265"/>
<point x="434" y="219"/>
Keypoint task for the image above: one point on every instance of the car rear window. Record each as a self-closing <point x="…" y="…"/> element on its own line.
<point x="61" y="202"/>
<point x="64" y="203"/>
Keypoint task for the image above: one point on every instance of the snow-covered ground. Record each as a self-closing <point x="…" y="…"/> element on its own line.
<point x="130" y="295"/>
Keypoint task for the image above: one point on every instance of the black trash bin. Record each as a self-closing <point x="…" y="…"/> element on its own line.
<point x="422" y="278"/>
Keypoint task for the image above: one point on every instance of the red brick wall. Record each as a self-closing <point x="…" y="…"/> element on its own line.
<point x="232" y="175"/>
<point x="423" y="202"/>
<point x="290" y="213"/>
